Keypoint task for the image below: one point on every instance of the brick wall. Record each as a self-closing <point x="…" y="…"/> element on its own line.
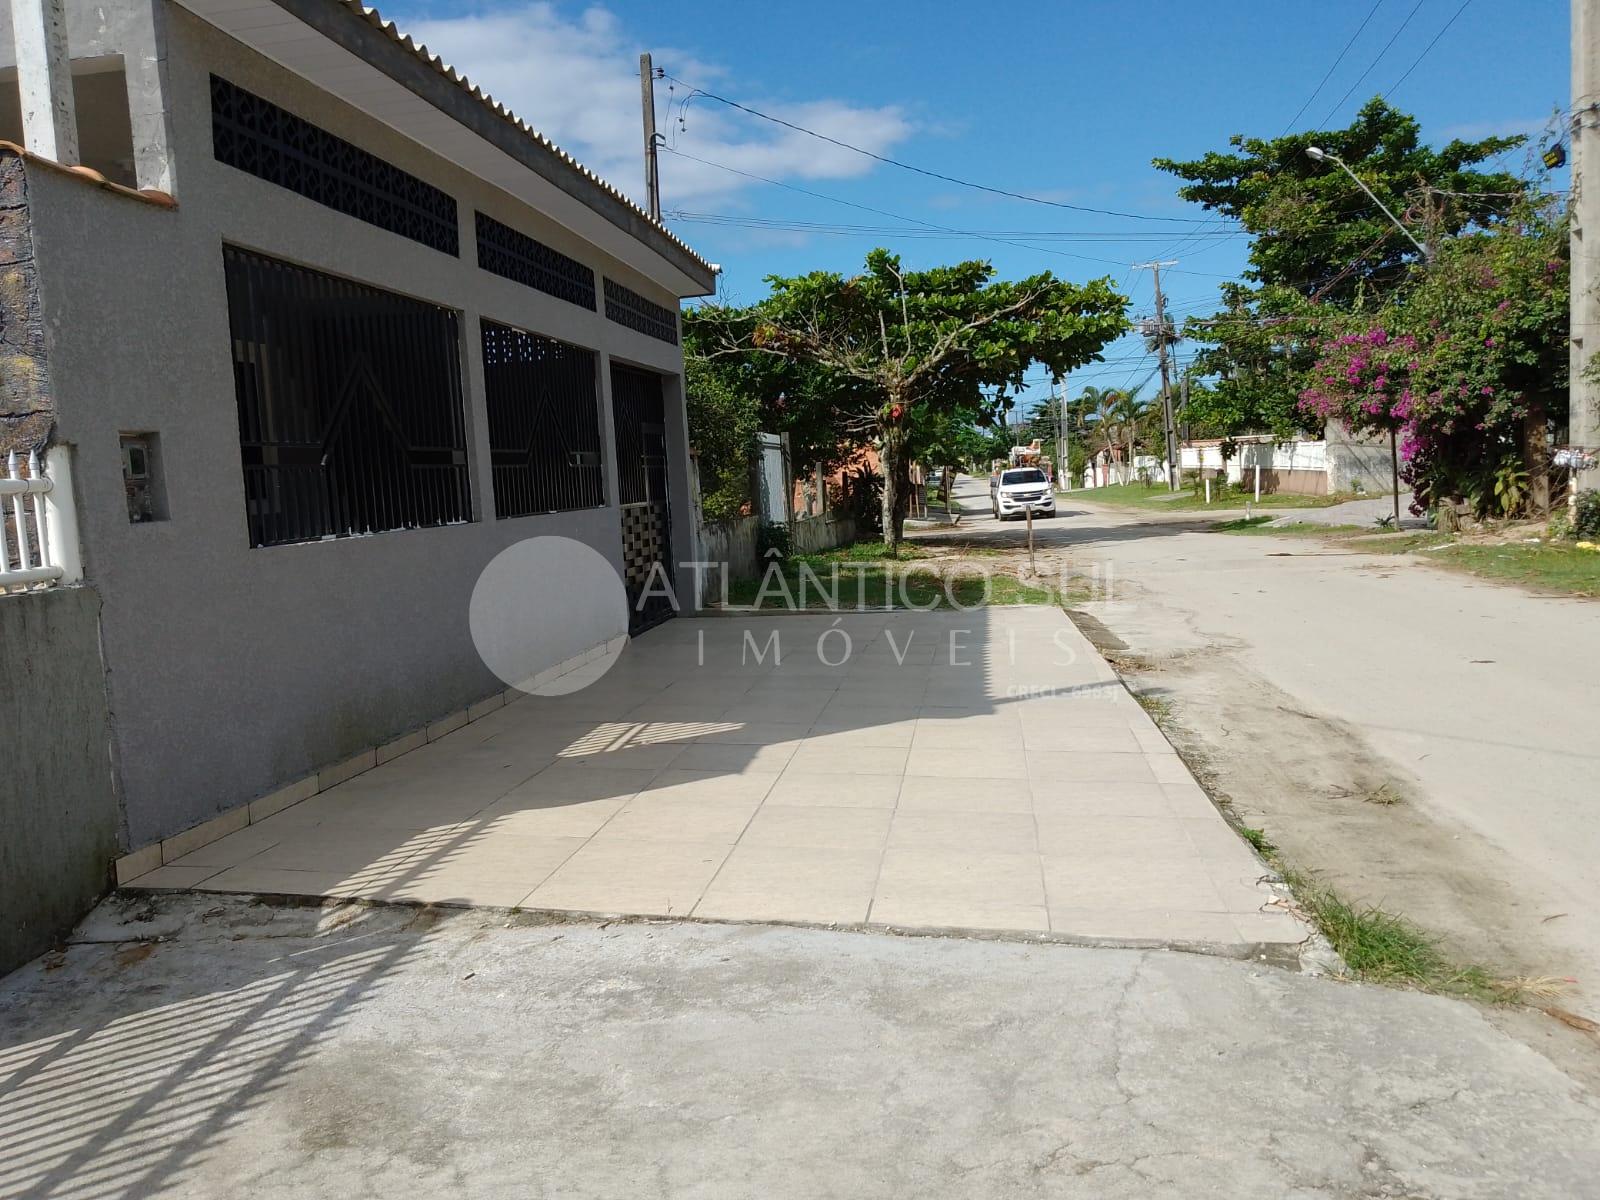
<point x="26" y="411"/>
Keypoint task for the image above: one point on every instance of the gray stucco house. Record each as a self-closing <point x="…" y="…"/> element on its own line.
<point x="321" y="329"/>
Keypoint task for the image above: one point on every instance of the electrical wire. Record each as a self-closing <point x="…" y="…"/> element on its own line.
<point x="797" y="225"/>
<point x="1427" y="48"/>
<point x="955" y="179"/>
<point x="1415" y="9"/>
<point x="945" y="229"/>
<point x="1329" y="75"/>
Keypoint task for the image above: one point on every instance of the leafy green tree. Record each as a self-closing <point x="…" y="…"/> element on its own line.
<point x="1320" y="247"/>
<point x="895" y="347"/>
<point x="1313" y="228"/>
<point x="724" y="418"/>
<point x="952" y="441"/>
<point x="1468" y="365"/>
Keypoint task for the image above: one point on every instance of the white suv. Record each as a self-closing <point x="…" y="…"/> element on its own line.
<point x="1015" y="490"/>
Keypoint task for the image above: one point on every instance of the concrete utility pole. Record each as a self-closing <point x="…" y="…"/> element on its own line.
<point x="1166" y="381"/>
<point x="647" y="97"/>
<point x="44" y="79"/>
<point x="1584" y="395"/>
<point x="1183" y="407"/>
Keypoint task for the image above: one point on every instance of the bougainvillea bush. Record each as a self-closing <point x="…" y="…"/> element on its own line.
<point x="1468" y="364"/>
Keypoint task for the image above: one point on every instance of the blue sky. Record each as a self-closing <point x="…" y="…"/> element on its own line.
<point x="1067" y="102"/>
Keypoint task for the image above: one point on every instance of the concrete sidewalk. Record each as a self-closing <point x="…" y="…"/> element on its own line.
<point x="324" y="1054"/>
<point x="975" y="771"/>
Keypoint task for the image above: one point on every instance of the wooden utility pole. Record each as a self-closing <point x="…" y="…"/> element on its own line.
<point x="1584" y="394"/>
<point x="1166" y="380"/>
<point x="647" y="97"/>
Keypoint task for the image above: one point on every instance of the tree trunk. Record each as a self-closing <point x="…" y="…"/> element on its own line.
<point x="1536" y="458"/>
<point x="889" y="467"/>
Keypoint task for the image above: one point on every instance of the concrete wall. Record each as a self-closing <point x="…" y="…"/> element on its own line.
<point x="58" y="812"/>
<point x="732" y="543"/>
<point x="813" y="535"/>
<point x="1357" y="462"/>
<point x="233" y="669"/>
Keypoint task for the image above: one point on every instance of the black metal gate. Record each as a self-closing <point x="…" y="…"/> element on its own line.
<point x="642" y="491"/>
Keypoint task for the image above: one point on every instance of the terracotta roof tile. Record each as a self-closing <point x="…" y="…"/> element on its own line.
<point x="149" y="195"/>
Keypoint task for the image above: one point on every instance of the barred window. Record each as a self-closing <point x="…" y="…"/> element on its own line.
<point x="258" y="137"/>
<point x="516" y="256"/>
<point x="544" y="423"/>
<point x="626" y="307"/>
<point x="350" y="405"/>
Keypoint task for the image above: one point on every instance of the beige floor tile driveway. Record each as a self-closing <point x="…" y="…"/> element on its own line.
<point x="962" y="771"/>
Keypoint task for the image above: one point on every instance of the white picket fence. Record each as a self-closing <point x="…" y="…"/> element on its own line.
<point x="38" y="529"/>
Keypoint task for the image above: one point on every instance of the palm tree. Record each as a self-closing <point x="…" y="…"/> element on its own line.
<point x="1107" y="409"/>
<point x="1132" y="414"/>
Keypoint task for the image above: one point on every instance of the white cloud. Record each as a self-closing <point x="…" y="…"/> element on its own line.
<point x="1473" y="131"/>
<point x="576" y="80"/>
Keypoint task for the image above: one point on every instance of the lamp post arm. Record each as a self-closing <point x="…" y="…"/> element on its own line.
<point x="1423" y="250"/>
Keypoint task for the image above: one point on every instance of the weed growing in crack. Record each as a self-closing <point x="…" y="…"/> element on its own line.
<point x="1159" y="708"/>
<point x="1257" y="838"/>
<point x="1383" y="947"/>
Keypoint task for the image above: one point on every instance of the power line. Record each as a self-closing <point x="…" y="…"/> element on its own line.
<point x="1329" y="75"/>
<point x="955" y="179"/>
<point x="884" y="212"/>
<point x="896" y="216"/>
<point x="797" y="224"/>
<point x="1426" y="48"/>
<point x="937" y="233"/>
<point x="1374" y="62"/>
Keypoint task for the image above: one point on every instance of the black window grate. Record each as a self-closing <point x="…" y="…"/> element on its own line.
<point x="258" y="137"/>
<point x="626" y="307"/>
<point x="641" y="435"/>
<point x="516" y="256"/>
<point x="544" y="423"/>
<point x="350" y="405"/>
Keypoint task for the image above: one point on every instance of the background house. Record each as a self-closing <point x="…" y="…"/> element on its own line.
<point x="317" y="330"/>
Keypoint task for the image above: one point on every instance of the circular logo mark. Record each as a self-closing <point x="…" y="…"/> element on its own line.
<point x="549" y="615"/>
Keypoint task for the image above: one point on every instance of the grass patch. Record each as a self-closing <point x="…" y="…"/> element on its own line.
<point x="1258" y="525"/>
<point x="1381" y="947"/>
<point x="819" y="583"/>
<point x="1156" y="498"/>
<point x="1258" y="839"/>
<point x="1547" y="566"/>
<point x="862" y="552"/>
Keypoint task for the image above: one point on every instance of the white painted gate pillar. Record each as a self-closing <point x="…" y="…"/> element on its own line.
<point x="44" y="79"/>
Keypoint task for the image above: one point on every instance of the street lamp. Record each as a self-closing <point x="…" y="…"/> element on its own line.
<point x="1317" y="154"/>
